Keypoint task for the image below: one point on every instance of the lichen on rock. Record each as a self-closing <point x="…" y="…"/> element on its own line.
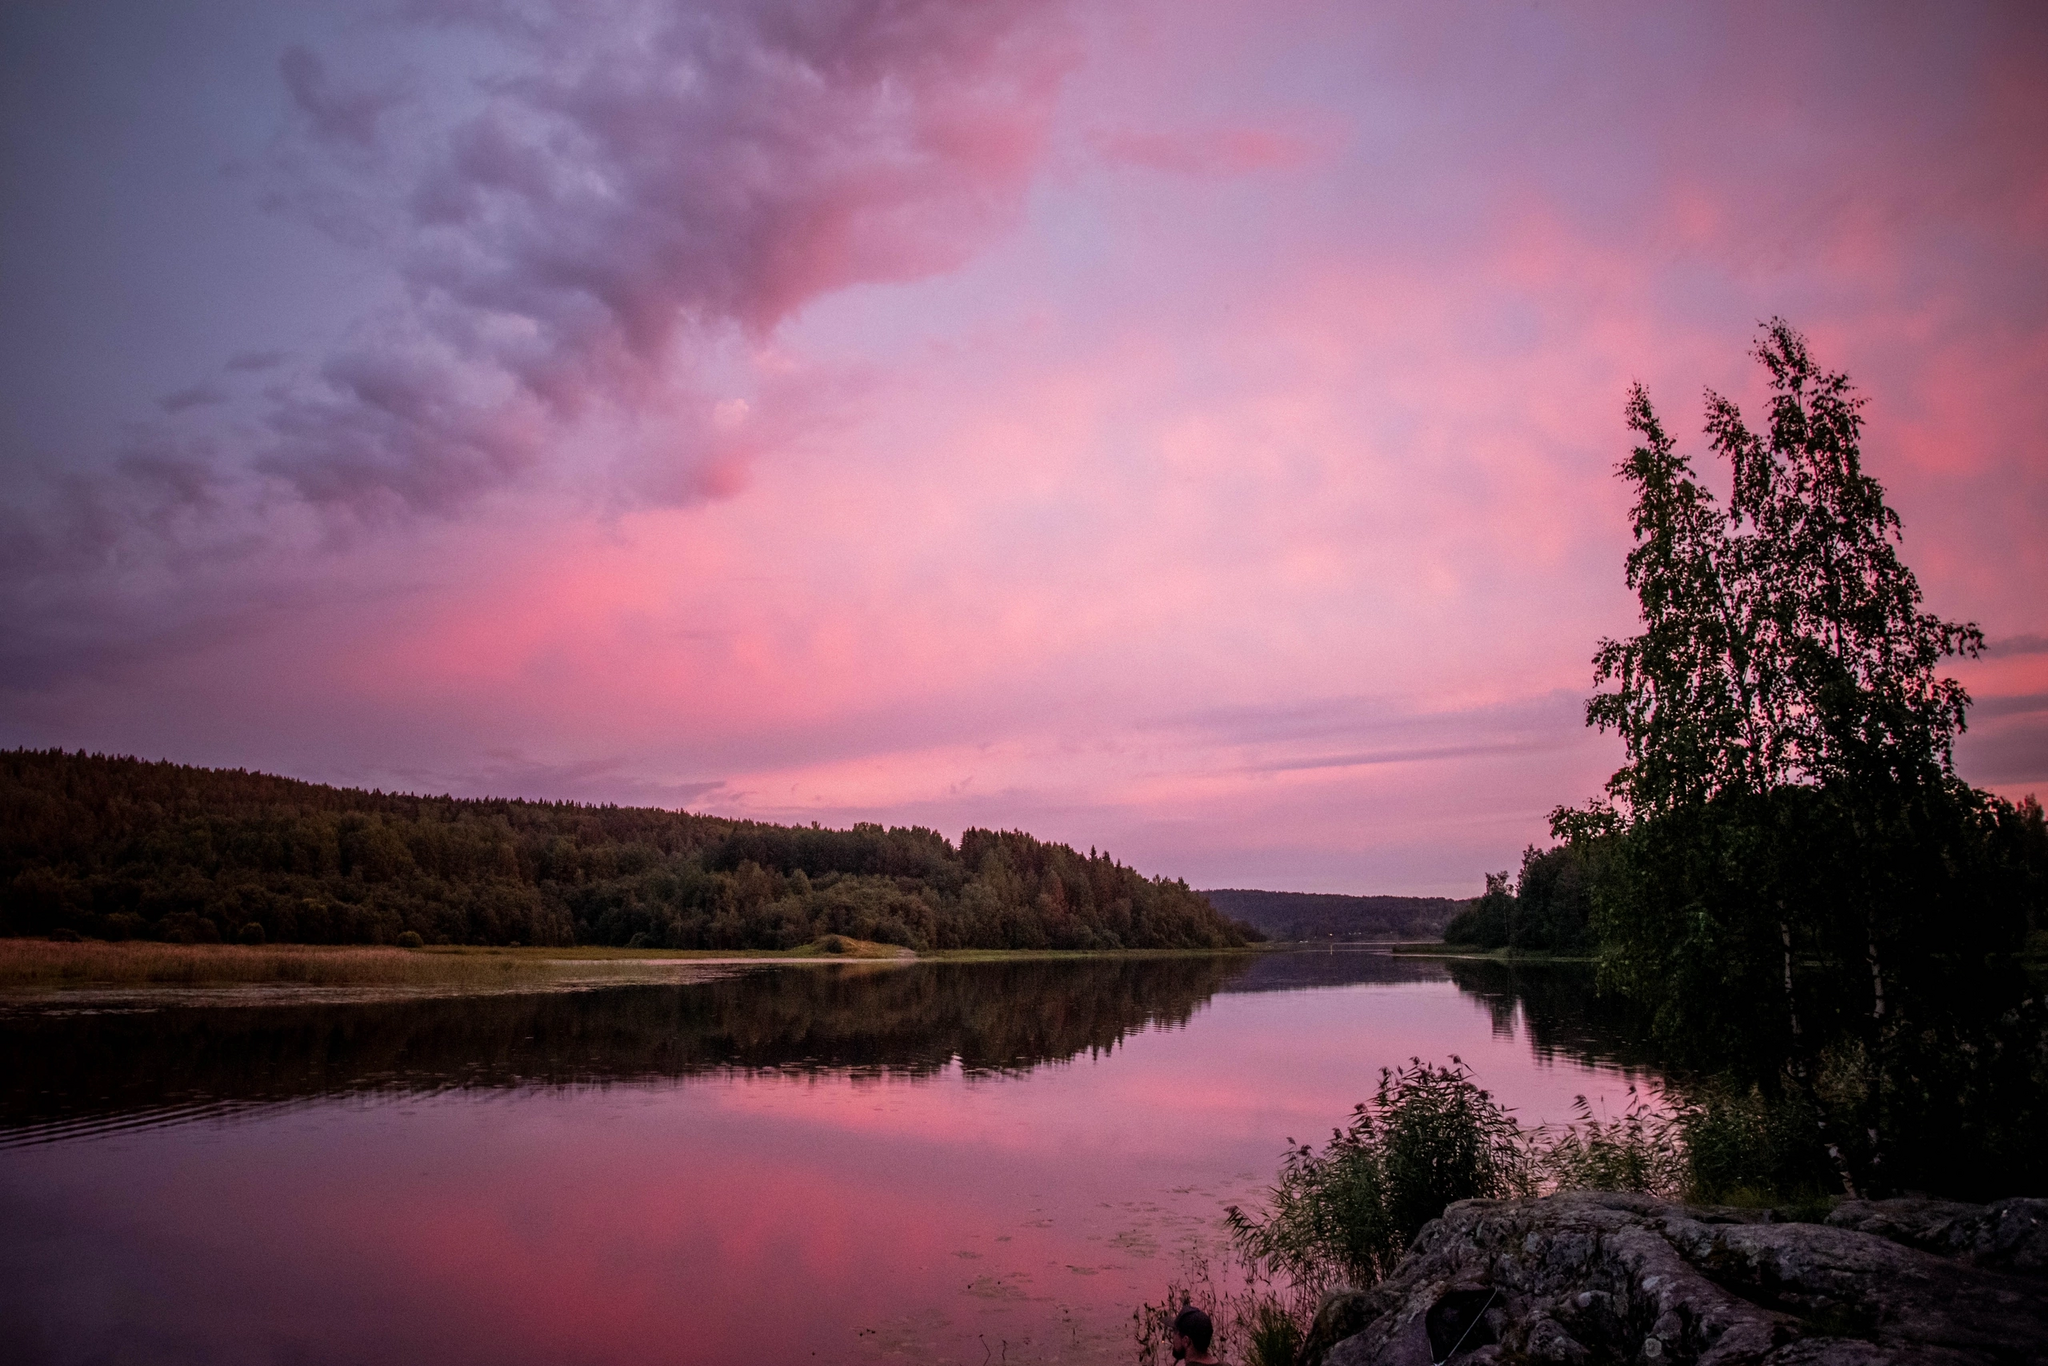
<point x="1587" y="1278"/>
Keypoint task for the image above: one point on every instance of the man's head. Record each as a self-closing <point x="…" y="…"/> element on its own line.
<point x="1192" y="1333"/>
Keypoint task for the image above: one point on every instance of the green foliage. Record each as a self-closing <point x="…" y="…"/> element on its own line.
<point x="408" y="939"/>
<point x="1344" y="1214"/>
<point x="117" y="848"/>
<point x="1321" y="916"/>
<point x="1788" y="875"/>
<point x="1744" y="1146"/>
<point x="1272" y="1337"/>
<point x="1548" y="909"/>
<point x="1783" y="641"/>
<point x="1488" y="923"/>
<point x="1428" y="1137"/>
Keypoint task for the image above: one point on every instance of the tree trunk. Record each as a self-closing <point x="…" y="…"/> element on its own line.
<point x="1802" y="1074"/>
<point x="1875" y="1115"/>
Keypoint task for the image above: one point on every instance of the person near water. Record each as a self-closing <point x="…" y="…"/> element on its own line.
<point x="1192" y="1333"/>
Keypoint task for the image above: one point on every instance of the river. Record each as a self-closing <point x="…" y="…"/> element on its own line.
<point x="953" y="1162"/>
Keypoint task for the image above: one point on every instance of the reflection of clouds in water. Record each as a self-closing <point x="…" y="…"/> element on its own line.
<point x="455" y="1153"/>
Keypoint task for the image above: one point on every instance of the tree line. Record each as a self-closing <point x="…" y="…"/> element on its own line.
<point x="1324" y="915"/>
<point x="117" y="848"/>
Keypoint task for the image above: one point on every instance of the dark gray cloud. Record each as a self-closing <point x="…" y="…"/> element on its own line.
<point x="586" y="201"/>
<point x="2015" y="704"/>
<point x="2011" y="752"/>
<point x="637" y="175"/>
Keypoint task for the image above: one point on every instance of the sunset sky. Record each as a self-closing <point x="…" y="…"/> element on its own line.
<point x="1187" y="429"/>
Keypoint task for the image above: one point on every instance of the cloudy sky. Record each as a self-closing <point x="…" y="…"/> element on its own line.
<point x="1185" y="427"/>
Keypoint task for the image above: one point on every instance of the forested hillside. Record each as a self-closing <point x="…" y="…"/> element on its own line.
<point x="1319" y="915"/>
<point x="120" y="848"/>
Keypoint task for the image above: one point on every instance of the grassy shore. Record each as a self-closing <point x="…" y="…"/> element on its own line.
<point x="1442" y="950"/>
<point x="40" y="964"/>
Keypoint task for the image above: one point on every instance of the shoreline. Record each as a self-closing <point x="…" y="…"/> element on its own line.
<point x="38" y="966"/>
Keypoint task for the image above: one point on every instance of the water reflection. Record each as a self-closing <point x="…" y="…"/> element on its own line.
<point x="69" y="1072"/>
<point x="938" y="1162"/>
<point x="1555" y="1005"/>
<point x="72" y="1071"/>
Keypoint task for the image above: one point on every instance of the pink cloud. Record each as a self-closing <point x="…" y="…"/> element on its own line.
<point x="793" y="449"/>
<point x="1203" y="152"/>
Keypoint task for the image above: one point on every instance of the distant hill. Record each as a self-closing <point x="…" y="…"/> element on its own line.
<point x="1320" y="915"/>
<point x="117" y="848"/>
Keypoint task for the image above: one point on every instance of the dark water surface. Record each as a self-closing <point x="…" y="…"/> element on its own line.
<point x="857" y="1162"/>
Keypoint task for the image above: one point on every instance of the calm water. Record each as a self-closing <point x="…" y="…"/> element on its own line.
<point x="935" y="1162"/>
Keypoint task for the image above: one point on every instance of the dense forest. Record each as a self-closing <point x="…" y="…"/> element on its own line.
<point x="119" y="848"/>
<point x="1322" y="915"/>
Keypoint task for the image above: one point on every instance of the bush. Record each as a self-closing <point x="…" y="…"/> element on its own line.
<point x="410" y="940"/>
<point x="1428" y="1137"/>
<point x="251" y="933"/>
<point x="1746" y="1147"/>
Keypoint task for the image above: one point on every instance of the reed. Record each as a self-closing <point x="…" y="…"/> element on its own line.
<point x="34" y="963"/>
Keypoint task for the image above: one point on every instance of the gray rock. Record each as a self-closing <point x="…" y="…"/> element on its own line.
<point x="2011" y="1235"/>
<point x="1590" y="1278"/>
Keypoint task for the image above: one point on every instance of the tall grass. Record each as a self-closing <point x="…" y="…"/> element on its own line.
<point x="36" y="963"/>
<point x="1428" y="1136"/>
<point x="1345" y="1213"/>
<point x="1643" y="1149"/>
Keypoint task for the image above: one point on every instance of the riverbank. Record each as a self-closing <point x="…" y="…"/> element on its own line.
<point x="41" y="964"/>
<point x="1442" y="950"/>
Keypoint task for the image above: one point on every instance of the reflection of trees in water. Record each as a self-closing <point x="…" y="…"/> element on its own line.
<point x="913" y="1019"/>
<point x="1563" y="1015"/>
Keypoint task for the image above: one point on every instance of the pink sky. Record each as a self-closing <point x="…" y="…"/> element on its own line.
<point x="1185" y="429"/>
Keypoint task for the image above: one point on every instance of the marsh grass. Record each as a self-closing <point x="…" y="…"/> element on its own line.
<point x="1643" y="1149"/>
<point x="1259" y="1320"/>
<point x="42" y="964"/>
<point x="38" y="963"/>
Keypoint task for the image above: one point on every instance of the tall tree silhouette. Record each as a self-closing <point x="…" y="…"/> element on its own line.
<point x="1796" y="878"/>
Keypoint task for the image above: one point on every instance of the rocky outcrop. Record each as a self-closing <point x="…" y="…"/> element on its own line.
<point x="2011" y="1235"/>
<point x="1591" y="1278"/>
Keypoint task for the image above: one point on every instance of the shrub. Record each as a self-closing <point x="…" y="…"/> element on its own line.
<point x="1746" y="1147"/>
<point x="251" y="933"/>
<point x="1428" y="1137"/>
<point x="410" y="939"/>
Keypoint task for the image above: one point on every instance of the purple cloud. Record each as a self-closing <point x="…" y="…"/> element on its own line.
<point x="630" y="186"/>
